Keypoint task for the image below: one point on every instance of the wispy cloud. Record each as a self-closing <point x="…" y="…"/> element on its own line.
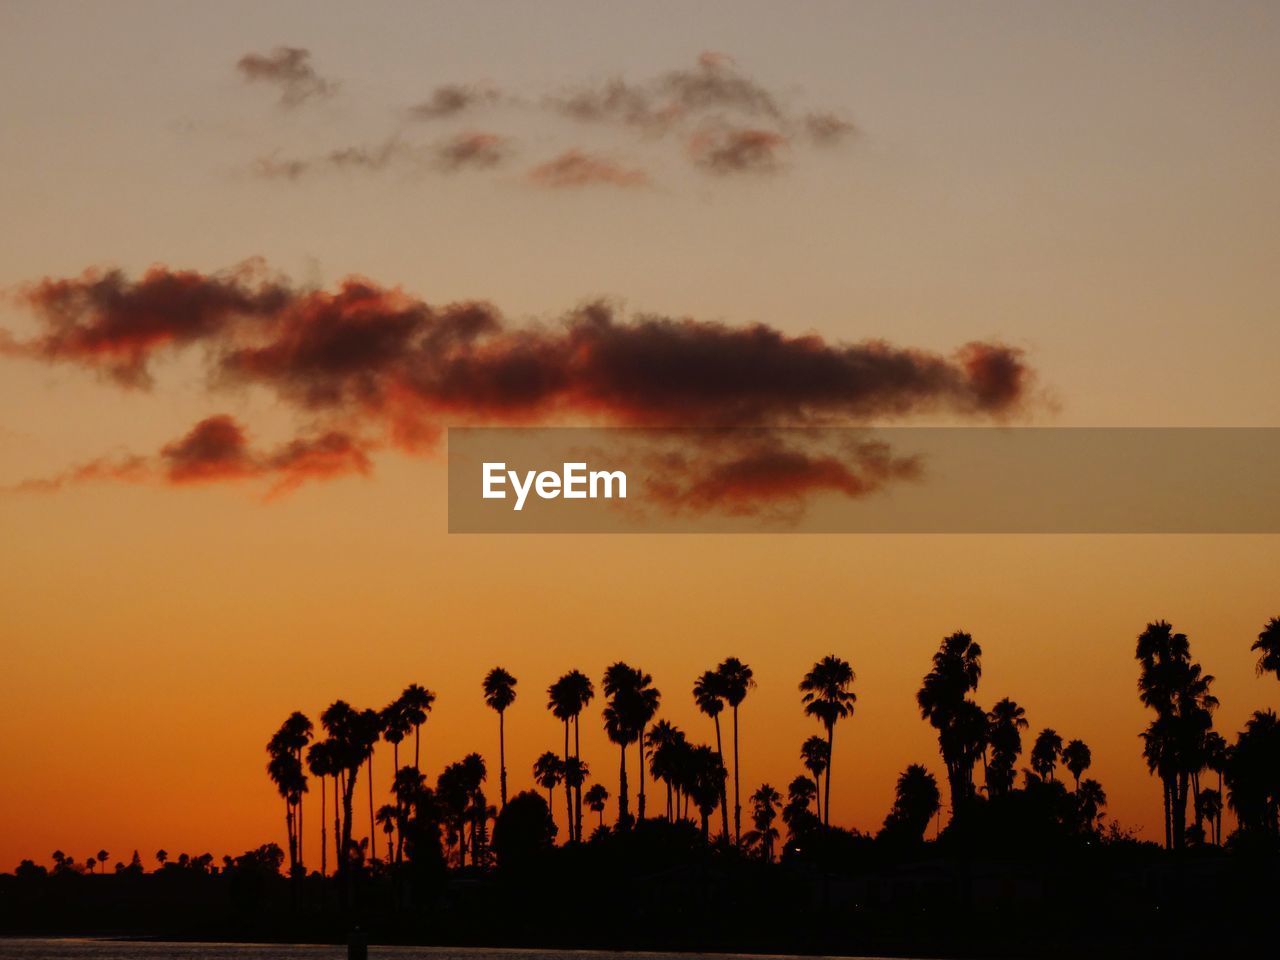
<point x="573" y="168"/>
<point x="289" y="70"/>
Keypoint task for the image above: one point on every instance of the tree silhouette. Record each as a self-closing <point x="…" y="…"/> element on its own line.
<point x="1215" y="757"/>
<point x="828" y="698"/>
<point x="736" y="680"/>
<point x="1090" y="798"/>
<point x="1045" y="753"/>
<point x="801" y="792"/>
<point x="815" y="754"/>
<point x="597" y="796"/>
<point x="284" y="767"/>
<point x="500" y="693"/>
<point x="1077" y="758"/>
<point x="1253" y="777"/>
<point x="321" y="763"/>
<point x="915" y="801"/>
<point x="632" y="702"/>
<point x="1172" y="685"/>
<point x="1268" y="647"/>
<point x="706" y="779"/>
<point x="708" y="694"/>
<point x="415" y="704"/>
<point x="1005" y="723"/>
<point x="548" y="771"/>
<point x="566" y="699"/>
<point x="524" y="832"/>
<point x="764" y="810"/>
<point x="943" y="701"/>
<point x="395" y="727"/>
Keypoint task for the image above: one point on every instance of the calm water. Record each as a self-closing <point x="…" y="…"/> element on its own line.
<point x="119" y="950"/>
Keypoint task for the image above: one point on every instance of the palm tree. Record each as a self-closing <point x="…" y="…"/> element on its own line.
<point x="736" y="679"/>
<point x="915" y="801"/>
<point x="1215" y="757"/>
<point x="1091" y="798"/>
<point x="353" y="734"/>
<point x="828" y="698"/>
<point x="1005" y="723"/>
<point x="1209" y="807"/>
<point x="664" y="741"/>
<point x="320" y="761"/>
<point x="705" y="781"/>
<point x="1076" y="757"/>
<point x="1268" y="647"/>
<point x="1253" y="776"/>
<point x="416" y="703"/>
<point x="285" y="769"/>
<point x="815" y="754"/>
<point x="548" y="771"/>
<point x="597" y="796"/>
<point x="103" y="856"/>
<point x="566" y="699"/>
<point x="957" y="667"/>
<point x="632" y="703"/>
<point x="395" y="727"/>
<point x="388" y="817"/>
<point x="162" y="856"/>
<point x="796" y="814"/>
<point x="708" y="694"/>
<point x="1045" y="753"/>
<point x="764" y="810"/>
<point x="500" y="693"/>
<point x="1172" y="685"/>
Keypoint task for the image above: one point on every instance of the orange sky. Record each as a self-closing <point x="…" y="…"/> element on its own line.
<point x="1059" y="181"/>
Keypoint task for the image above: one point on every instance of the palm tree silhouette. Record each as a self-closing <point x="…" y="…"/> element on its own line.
<point x="395" y="727"/>
<point x="664" y="741"/>
<point x="1215" y="757"/>
<point x="1174" y="686"/>
<point x="597" y="796"/>
<point x="736" y="679"/>
<point x="815" y="754"/>
<point x="1091" y="799"/>
<point x="566" y="699"/>
<point x="500" y="693"/>
<point x="632" y="702"/>
<point x="1077" y="758"/>
<point x="1005" y="723"/>
<point x="764" y="810"/>
<point x="943" y="701"/>
<point x="409" y="789"/>
<point x="1045" y="753"/>
<point x="705" y="782"/>
<point x="388" y="817"/>
<point x="320" y="761"/>
<point x="796" y="814"/>
<point x="1268" y="647"/>
<point x="915" y="801"/>
<point x="548" y="771"/>
<point x="1253" y="776"/>
<point x="828" y="698"/>
<point x="416" y="703"/>
<point x="708" y="694"/>
<point x="285" y="769"/>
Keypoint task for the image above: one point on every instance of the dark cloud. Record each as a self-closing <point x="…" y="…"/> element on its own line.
<point x="471" y="151"/>
<point x="729" y="150"/>
<point x="453" y="99"/>
<point x="573" y="168"/>
<point x="828" y="129"/>
<point x="761" y="474"/>
<point x="383" y="362"/>
<point x="217" y="450"/>
<point x="288" y="69"/>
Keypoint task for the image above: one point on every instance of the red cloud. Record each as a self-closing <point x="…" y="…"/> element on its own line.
<point x="573" y="168"/>
<point x="393" y="367"/>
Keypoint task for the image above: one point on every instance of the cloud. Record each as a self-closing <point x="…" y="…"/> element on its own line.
<point x="394" y="368"/>
<point x="573" y="168"/>
<point x="737" y="150"/>
<point x="370" y="158"/>
<point x="217" y="450"/>
<point x="828" y="129"/>
<point x="761" y="474"/>
<point x="453" y="99"/>
<point x="472" y="151"/>
<point x="288" y="69"/>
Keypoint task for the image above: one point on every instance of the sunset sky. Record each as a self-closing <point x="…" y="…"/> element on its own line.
<point x="1092" y="185"/>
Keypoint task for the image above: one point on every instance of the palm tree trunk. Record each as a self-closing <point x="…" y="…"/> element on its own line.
<point x="293" y="843"/>
<point x="724" y="799"/>
<point x="817" y="795"/>
<point x="737" y="800"/>
<point x="373" y="828"/>
<point x="568" y="790"/>
<point x="337" y="833"/>
<point x="640" y="803"/>
<point x="826" y="800"/>
<point x="502" y="757"/>
<point x="417" y="739"/>
<point x="324" y="839"/>
<point x="622" y="784"/>
<point x="577" y="790"/>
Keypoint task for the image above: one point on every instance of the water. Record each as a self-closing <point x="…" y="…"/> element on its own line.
<point x="79" y="949"/>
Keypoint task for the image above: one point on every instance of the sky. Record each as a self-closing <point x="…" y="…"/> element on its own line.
<point x="1088" y="186"/>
